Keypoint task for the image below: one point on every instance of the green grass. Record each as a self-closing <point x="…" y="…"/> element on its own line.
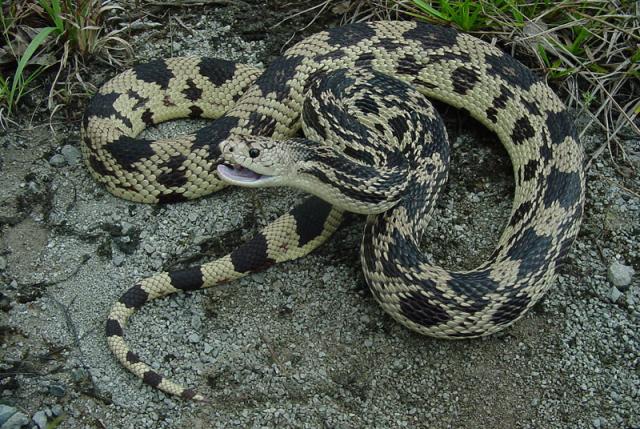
<point x="51" y="34"/>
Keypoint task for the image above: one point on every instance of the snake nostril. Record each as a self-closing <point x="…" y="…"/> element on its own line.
<point x="253" y="152"/>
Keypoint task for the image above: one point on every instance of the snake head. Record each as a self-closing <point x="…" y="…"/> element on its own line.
<point x="255" y="161"/>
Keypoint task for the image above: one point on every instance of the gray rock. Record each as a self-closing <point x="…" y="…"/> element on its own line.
<point x="599" y="422"/>
<point x="6" y="412"/>
<point x="620" y="275"/>
<point x="40" y="419"/>
<point x="3" y="263"/>
<point x="56" y="410"/>
<point x="71" y="154"/>
<point x="57" y="390"/>
<point x="194" y="338"/>
<point x="614" y="294"/>
<point x="117" y="260"/>
<point x="16" y="421"/>
<point x="57" y="160"/>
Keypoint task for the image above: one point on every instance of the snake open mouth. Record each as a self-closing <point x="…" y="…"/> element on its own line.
<point x="238" y="175"/>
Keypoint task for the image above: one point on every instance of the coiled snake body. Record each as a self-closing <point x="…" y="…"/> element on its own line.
<point x="458" y="69"/>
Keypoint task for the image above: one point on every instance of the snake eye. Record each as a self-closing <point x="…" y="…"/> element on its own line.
<point x="253" y="152"/>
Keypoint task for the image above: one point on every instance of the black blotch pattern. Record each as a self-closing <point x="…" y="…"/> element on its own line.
<point x="510" y="309"/>
<point x="348" y="191"/>
<point x="464" y="79"/>
<point x="277" y="76"/>
<point x="192" y="92"/>
<point x="216" y="70"/>
<point x="349" y="35"/>
<point x="500" y="102"/>
<point x="311" y="216"/>
<point x="388" y="43"/>
<point x="399" y="126"/>
<point x="417" y="308"/>
<point x="364" y="59"/>
<point x="147" y="117"/>
<point x="546" y="152"/>
<point x="332" y="56"/>
<point x="152" y="378"/>
<point x="529" y="170"/>
<point x="196" y="112"/>
<point x="154" y="72"/>
<point x="102" y="106"/>
<point x="188" y="394"/>
<point x="522" y="130"/>
<point x="509" y="69"/>
<point x="531" y="250"/>
<point x="560" y="127"/>
<point x="189" y="279"/>
<point x="565" y="245"/>
<point x="474" y="285"/>
<point x="140" y="101"/>
<point x="260" y="124"/>
<point x="432" y="37"/>
<point x="175" y="177"/>
<point x="449" y="55"/>
<point x="520" y="213"/>
<point x="366" y="104"/>
<point x="171" y="198"/>
<point x="252" y="255"/>
<point x="565" y="188"/>
<point x="408" y="65"/>
<point x="132" y="357"/>
<point x="135" y="297"/>
<point x="531" y="106"/>
<point x="99" y="167"/>
<point x="311" y="118"/>
<point x="211" y="136"/>
<point x="407" y="258"/>
<point x="127" y="151"/>
<point x="113" y="328"/>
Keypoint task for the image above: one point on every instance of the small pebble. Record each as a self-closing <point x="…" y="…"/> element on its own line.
<point x="16" y="421"/>
<point x="194" y="338"/>
<point x="57" y="160"/>
<point x="57" y="390"/>
<point x="6" y="412"/>
<point x="117" y="260"/>
<point x="56" y="410"/>
<point x="71" y="154"/>
<point x="614" y="294"/>
<point x="40" y="419"/>
<point x="3" y="263"/>
<point x="620" y="275"/>
<point x="126" y="228"/>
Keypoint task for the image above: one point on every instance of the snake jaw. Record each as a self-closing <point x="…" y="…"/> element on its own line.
<point x="235" y="174"/>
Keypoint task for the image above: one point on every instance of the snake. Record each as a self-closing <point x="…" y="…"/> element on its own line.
<point x="366" y="158"/>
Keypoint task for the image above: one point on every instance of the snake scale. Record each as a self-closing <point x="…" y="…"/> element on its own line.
<point x="256" y="110"/>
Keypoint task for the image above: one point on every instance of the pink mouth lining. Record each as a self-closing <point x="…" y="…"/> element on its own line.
<point x="238" y="174"/>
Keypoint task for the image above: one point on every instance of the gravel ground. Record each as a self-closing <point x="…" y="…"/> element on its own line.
<point x="302" y="344"/>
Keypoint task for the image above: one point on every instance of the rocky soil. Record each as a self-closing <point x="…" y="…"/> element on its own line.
<point x="302" y="344"/>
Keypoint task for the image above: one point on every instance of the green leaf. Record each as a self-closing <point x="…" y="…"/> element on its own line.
<point x="430" y="10"/>
<point x="26" y="56"/>
<point x="54" y="10"/>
